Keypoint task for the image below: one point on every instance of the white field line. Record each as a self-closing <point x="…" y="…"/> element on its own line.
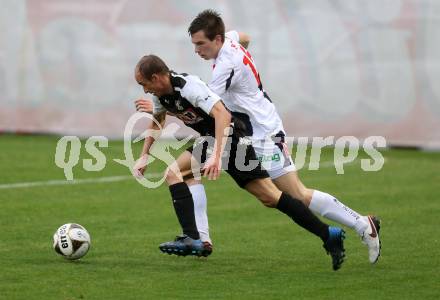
<point x="17" y="185"/>
<point x="75" y="181"/>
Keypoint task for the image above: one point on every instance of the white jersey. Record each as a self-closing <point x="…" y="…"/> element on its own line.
<point x="236" y="80"/>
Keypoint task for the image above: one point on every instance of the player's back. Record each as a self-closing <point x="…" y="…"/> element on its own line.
<point x="236" y="79"/>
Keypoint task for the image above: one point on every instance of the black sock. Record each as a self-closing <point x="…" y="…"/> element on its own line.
<point x="302" y="216"/>
<point x="184" y="207"/>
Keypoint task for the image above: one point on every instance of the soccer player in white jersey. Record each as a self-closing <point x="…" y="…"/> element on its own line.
<point x="236" y="80"/>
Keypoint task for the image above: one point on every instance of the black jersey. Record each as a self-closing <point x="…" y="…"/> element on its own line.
<point x="192" y="102"/>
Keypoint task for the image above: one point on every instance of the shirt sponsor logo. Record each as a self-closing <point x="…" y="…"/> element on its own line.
<point x="264" y="158"/>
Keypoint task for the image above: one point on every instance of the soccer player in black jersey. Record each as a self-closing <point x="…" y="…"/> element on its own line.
<point x="190" y="100"/>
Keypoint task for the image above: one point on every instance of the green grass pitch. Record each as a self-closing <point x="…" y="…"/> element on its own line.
<point x="258" y="252"/>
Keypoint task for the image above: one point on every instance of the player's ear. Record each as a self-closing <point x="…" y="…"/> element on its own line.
<point x="154" y="78"/>
<point x="218" y="38"/>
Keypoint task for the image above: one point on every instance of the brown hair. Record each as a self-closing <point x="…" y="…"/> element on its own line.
<point x="151" y="64"/>
<point x="210" y="22"/>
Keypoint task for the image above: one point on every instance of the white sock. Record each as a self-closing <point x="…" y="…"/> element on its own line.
<point x="200" y="211"/>
<point x="331" y="208"/>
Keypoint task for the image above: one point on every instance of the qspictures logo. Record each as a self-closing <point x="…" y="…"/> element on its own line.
<point x="346" y="150"/>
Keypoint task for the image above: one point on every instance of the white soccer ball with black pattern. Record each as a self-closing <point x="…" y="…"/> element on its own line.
<point x="72" y="241"/>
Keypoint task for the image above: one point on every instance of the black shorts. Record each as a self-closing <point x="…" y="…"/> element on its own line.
<point x="241" y="161"/>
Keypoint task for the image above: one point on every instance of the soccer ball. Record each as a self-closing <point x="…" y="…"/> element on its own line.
<point x="72" y="241"/>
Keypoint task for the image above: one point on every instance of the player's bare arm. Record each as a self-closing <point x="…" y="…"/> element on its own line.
<point x="154" y="133"/>
<point x="146" y="106"/>
<point x="222" y="118"/>
<point x="244" y="39"/>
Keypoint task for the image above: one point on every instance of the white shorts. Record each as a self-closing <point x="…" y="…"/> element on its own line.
<point x="274" y="157"/>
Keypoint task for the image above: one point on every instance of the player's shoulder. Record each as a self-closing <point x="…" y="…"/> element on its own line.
<point x="186" y="84"/>
<point x="230" y="53"/>
<point x="178" y="80"/>
<point x="230" y="49"/>
<point x="184" y="81"/>
<point x="233" y="35"/>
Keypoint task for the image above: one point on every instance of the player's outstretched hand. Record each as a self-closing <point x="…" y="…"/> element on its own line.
<point x="144" y="105"/>
<point x="212" y="168"/>
<point x="140" y="166"/>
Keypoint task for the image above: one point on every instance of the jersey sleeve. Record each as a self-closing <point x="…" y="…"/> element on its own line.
<point x="157" y="106"/>
<point x="199" y="95"/>
<point x="233" y="35"/>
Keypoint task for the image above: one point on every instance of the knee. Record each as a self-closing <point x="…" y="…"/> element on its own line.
<point x="265" y="191"/>
<point x="303" y="194"/>
<point x="171" y="177"/>
<point x="268" y="199"/>
<point x="192" y="181"/>
<point x="306" y="196"/>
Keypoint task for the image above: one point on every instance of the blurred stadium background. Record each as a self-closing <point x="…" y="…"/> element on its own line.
<point x="333" y="68"/>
